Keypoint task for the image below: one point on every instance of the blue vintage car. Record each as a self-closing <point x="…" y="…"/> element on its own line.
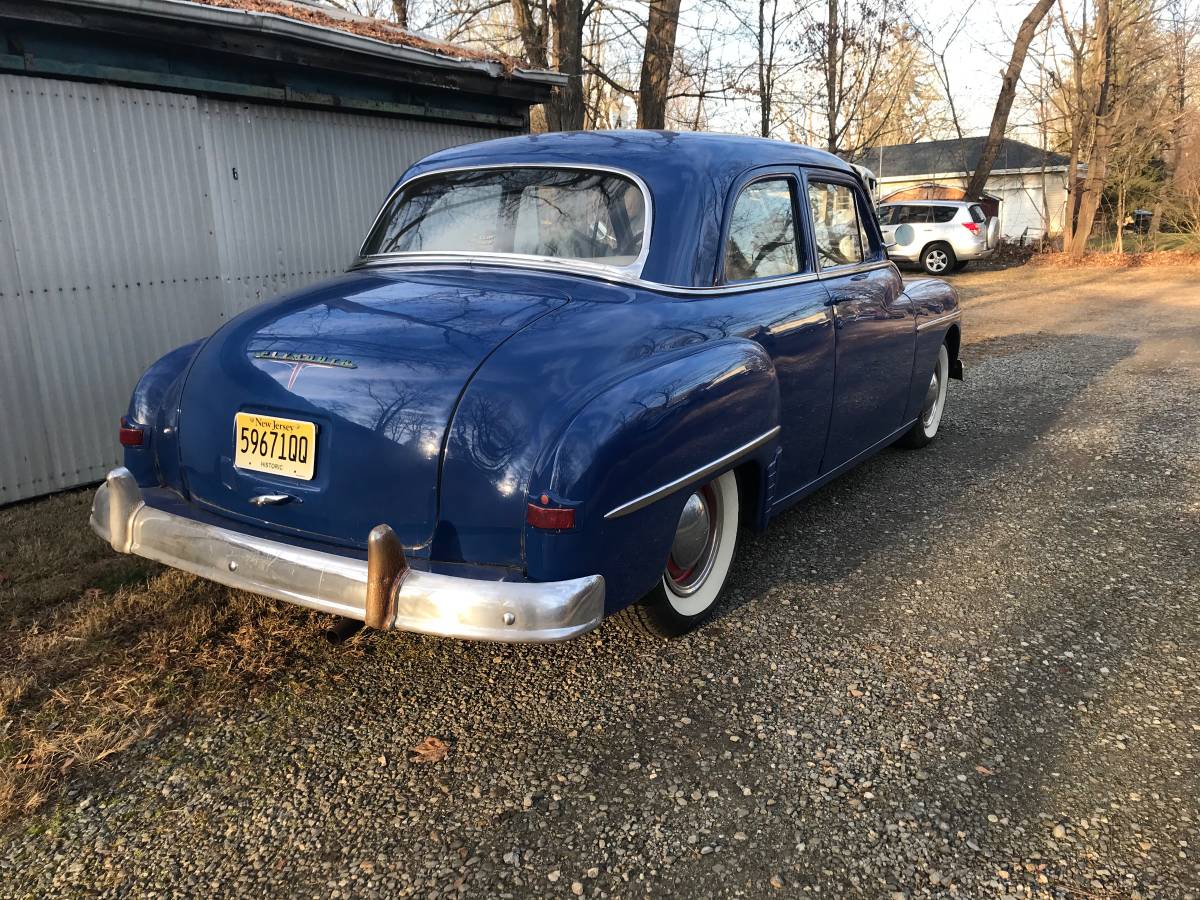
<point x="562" y="372"/>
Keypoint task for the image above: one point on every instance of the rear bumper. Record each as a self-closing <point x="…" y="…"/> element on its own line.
<point x="912" y="252"/>
<point x="414" y="600"/>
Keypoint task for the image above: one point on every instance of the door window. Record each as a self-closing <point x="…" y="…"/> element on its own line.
<point x="836" y="230"/>
<point x="944" y="214"/>
<point x="762" y="233"/>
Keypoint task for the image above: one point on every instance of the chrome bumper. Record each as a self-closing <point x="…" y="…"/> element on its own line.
<point x="412" y="600"/>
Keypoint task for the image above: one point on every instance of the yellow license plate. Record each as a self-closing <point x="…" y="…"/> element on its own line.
<point x="278" y="446"/>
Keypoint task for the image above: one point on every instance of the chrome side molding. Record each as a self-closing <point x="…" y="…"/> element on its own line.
<point x="691" y="477"/>
<point x="921" y="326"/>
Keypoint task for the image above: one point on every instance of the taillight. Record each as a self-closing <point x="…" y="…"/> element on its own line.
<point x="132" y="435"/>
<point x="550" y="518"/>
<point x="972" y="227"/>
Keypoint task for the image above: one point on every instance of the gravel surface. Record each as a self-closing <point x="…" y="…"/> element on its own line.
<point x="969" y="670"/>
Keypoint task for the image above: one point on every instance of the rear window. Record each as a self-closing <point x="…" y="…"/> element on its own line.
<point x="943" y="214"/>
<point x="597" y="217"/>
<point x="977" y="214"/>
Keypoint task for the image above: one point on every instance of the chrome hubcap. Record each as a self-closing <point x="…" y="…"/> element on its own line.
<point x="935" y="395"/>
<point x="931" y="398"/>
<point x="692" y="533"/>
<point x="696" y="538"/>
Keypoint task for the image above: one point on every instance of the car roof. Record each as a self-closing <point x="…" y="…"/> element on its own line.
<point x="687" y="174"/>
<point x="642" y="152"/>
<point x="928" y="202"/>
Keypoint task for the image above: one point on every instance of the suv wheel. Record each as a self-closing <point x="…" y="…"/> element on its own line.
<point x="938" y="259"/>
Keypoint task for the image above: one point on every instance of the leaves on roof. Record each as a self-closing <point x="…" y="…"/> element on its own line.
<point x="363" y="26"/>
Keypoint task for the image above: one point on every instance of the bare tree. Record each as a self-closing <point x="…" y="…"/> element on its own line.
<point x="1008" y="90"/>
<point x="863" y="53"/>
<point x="656" y="63"/>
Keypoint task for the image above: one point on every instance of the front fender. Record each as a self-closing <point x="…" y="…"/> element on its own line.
<point x="641" y="434"/>
<point x="936" y="308"/>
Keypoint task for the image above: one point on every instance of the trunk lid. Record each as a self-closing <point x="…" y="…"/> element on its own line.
<point x="376" y="362"/>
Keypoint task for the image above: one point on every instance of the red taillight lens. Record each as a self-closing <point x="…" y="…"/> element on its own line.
<point x="972" y="227"/>
<point x="550" y="518"/>
<point x="131" y="435"/>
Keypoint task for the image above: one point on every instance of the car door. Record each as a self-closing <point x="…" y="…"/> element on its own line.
<point x="773" y="288"/>
<point x="874" y="328"/>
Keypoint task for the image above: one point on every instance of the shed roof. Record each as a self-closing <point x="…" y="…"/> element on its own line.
<point x="272" y="50"/>
<point x="926" y="158"/>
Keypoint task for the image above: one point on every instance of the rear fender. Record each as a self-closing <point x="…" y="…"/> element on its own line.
<point x="621" y="460"/>
<point x="154" y="405"/>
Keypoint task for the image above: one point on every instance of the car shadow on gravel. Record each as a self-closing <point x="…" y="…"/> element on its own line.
<point x="1007" y="403"/>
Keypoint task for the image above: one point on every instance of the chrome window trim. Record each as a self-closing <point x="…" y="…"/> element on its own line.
<point x="634" y="269"/>
<point x="690" y="478"/>
<point x="787" y="174"/>
<point x="921" y="326"/>
<point x="605" y="273"/>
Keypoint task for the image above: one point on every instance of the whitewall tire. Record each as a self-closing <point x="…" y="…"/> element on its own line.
<point x="698" y="563"/>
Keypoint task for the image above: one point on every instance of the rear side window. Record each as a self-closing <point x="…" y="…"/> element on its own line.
<point x="977" y="214"/>
<point x="901" y="214"/>
<point x="762" y="233"/>
<point x="836" y="230"/>
<point x="943" y="214"/>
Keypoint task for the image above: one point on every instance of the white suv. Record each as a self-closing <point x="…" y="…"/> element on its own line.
<point x="938" y="235"/>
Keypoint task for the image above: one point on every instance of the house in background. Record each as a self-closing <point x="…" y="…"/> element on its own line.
<point x="1027" y="188"/>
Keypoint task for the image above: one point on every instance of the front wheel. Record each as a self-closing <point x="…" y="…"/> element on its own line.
<point x="937" y="259"/>
<point x="925" y="428"/>
<point x="698" y="564"/>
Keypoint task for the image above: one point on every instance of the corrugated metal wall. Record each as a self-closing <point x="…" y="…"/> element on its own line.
<point x="124" y="233"/>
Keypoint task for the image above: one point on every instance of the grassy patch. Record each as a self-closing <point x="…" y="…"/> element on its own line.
<point x="1130" y="259"/>
<point x="102" y="650"/>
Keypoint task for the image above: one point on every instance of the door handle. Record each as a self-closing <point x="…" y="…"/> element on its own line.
<point x="861" y="276"/>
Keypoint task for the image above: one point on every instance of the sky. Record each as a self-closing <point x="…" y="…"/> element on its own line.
<point x="976" y="59"/>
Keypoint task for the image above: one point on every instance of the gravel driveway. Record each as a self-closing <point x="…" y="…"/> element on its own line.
<point x="970" y="670"/>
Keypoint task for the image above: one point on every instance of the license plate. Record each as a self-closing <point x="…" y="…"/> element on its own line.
<point x="278" y="446"/>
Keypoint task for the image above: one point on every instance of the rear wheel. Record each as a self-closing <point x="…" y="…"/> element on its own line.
<point x="925" y="428"/>
<point x="937" y="259"/>
<point x="698" y="564"/>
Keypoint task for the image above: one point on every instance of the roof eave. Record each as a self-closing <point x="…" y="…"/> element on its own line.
<point x="961" y="174"/>
<point x="306" y="32"/>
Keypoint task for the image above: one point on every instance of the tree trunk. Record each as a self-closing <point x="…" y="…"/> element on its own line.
<point x="400" y="12"/>
<point x="656" y="63"/>
<point x="1008" y="90"/>
<point x="1097" y="160"/>
<point x="831" y="79"/>
<point x="1119" y="240"/>
<point x="533" y="34"/>
<point x="565" y="110"/>
<point x="765" y="83"/>
<point x="1071" y="213"/>
<point x="1093" y="187"/>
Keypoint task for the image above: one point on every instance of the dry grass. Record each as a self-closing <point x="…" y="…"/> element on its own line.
<point x="100" y="651"/>
<point x="1105" y="260"/>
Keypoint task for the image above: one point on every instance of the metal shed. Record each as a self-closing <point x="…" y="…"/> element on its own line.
<point x="164" y="165"/>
